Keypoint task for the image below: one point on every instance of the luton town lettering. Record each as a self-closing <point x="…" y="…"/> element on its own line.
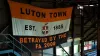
<point x="41" y="14"/>
<point x="57" y="14"/>
<point x="32" y="12"/>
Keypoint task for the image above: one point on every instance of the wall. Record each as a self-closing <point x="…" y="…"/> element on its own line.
<point x="4" y="16"/>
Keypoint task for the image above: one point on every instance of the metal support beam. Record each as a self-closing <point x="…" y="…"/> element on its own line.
<point x="86" y="12"/>
<point x="92" y="15"/>
<point x="90" y="27"/>
<point x="54" y="48"/>
<point x="79" y="2"/>
<point x="95" y="43"/>
<point x="90" y="18"/>
<point x="72" y="31"/>
<point x="64" y="50"/>
<point x="82" y="32"/>
<point x="90" y="38"/>
<point x="98" y="31"/>
<point x="54" y="51"/>
<point x="90" y="33"/>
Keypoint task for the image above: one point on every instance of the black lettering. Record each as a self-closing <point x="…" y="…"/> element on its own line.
<point x="33" y="12"/>
<point x="61" y="25"/>
<point x="59" y="14"/>
<point x="43" y="32"/>
<point x="28" y="11"/>
<point x="58" y="26"/>
<point x="30" y="27"/>
<point x="55" y="14"/>
<point x="43" y="15"/>
<point x="50" y="15"/>
<point x="38" y="14"/>
<point x="64" y="13"/>
<point x="26" y="27"/>
<point x="54" y="27"/>
<point x="33" y="28"/>
<point x="21" y="11"/>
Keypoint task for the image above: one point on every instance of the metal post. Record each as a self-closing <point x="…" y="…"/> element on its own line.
<point x="72" y="31"/>
<point x="54" y="51"/>
<point x="98" y="31"/>
<point x="13" y="46"/>
<point x="94" y="44"/>
<point x="82" y="31"/>
<point x="54" y="48"/>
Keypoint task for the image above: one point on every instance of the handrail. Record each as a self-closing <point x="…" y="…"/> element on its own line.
<point x="64" y="50"/>
<point x="15" y="45"/>
<point x="9" y="51"/>
<point x="16" y="40"/>
<point x="20" y="43"/>
<point x="4" y="29"/>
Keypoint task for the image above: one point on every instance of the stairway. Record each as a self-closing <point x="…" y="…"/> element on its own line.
<point x="10" y="52"/>
<point x="12" y="46"/>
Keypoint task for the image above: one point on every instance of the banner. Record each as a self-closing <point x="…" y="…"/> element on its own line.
<point x="39" y="28"/>
<point x="29" y="20"/>
<point x="38" y="43"/>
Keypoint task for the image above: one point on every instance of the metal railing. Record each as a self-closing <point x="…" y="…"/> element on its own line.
<point x="64" y="50"/>
<point x="21" y="46"/>
<point x="14" y="46"/>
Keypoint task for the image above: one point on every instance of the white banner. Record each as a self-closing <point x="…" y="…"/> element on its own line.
<point x="32" y="28"/>
<point x="28" y="20"/>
